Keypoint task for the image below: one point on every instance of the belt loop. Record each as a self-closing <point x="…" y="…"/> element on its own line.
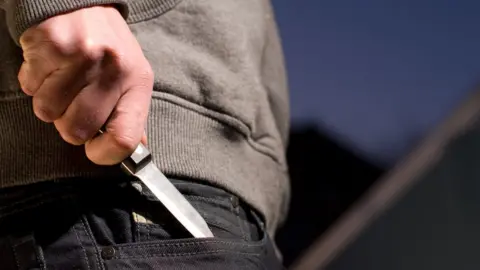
<point x="26" y="252"/>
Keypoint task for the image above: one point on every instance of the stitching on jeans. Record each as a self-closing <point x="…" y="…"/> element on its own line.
<point x="210" y="223"/>
<point x="83" y="248"/>
<point x="41" y="258"/>
<point x="186" y="244"/>
<point x="219" y="225"/>
<point x="236" y="211"/>
<point x="87" y="230"/>
<point x="216" y="251"/>
<point x="205" y="199"/>
<point x="16" y="256"/>
<point x="239" y="224"/>
<point x="197" y="198"/>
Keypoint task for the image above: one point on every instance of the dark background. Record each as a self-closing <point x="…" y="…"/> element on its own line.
<point x="368" y="79"/>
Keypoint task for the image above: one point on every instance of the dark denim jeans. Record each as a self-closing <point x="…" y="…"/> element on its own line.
<point x="118" y="224"/>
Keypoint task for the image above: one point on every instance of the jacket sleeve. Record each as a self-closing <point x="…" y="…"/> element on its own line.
<point x="22" y="14"/>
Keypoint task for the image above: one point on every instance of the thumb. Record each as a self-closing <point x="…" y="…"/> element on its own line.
<point x="123" y="132"/>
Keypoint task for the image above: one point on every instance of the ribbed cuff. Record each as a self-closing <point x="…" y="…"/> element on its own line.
<point x="22" y="14"/>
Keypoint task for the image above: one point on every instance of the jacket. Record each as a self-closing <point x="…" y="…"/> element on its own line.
<point x="219" y="111"/>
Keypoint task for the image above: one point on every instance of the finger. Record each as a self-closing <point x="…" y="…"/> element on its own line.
<point x="57" y="92"/>
<point x="44" y="55"/>
<point x="87" y="113"/>
<point x="33" y="72"/>
<point x="124" y="130"/>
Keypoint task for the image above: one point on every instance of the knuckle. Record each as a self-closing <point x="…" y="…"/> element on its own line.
<point x="28" y="37"/>
<point x="63" y="47"/>
<point x="55" y="43"/>
<point x="119" y="62"/>
<point x="90" y="50"/>
<point x="53" y="36"/>
<point x="115" y="62"/>
<point x="44" y="112"/>
<point x="25" y="84"/>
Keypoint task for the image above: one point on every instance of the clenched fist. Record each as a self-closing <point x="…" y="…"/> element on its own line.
<point x="85" y="70"/>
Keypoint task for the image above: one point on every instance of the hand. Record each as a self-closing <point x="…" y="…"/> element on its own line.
<point x="85" y="70"/>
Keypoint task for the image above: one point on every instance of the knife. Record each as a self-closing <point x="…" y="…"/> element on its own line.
<point x="140" y="165"/>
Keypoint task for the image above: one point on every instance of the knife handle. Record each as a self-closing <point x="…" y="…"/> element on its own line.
<point x="137" y="160"/>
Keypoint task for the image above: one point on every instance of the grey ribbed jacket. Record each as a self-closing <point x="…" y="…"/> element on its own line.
<point x="219" y="110"/>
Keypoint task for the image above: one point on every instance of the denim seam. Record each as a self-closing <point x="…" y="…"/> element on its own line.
<point x="16" y="256"/>
<point x="236" y="210"/>
<point x="41" y="258"/>
<point x="89" y="233"/>
<point x="206" y="199"/>
<point x="82" y="247"/>
<point x="204" y="241"/>
<point x="218" y="225"/>
<point x="180" y="254"/>
<point x="198" y="198"/>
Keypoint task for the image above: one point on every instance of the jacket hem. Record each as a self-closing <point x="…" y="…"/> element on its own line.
<point x="183" y="142"/>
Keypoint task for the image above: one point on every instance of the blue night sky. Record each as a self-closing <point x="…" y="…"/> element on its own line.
<point x="379" y="74"/>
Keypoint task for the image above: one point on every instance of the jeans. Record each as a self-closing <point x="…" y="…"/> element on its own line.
<point x="118" y="224"/>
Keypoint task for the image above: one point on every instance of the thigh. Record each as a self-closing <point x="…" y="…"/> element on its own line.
<point x="122" y="226"/>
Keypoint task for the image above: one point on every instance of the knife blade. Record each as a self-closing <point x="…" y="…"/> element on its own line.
<point x="140" y="165"/>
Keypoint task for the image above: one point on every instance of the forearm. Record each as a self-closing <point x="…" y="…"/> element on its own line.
<point x="22" y="14"/>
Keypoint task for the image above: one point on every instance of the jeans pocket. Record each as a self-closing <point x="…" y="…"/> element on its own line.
<point x="119" y="225"/>
<point x="206" y="253"/>
<point x="145" y="235"/>
<point x="223" y="212"/>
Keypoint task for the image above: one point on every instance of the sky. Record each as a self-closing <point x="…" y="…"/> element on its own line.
<point x="378" y="75"/>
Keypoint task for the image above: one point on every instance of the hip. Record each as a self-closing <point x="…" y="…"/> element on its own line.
<point x="118" y="224"/>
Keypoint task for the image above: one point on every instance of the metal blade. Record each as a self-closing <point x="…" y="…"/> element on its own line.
<point x="173" y="200"/>
<point x="140" y="164"/>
